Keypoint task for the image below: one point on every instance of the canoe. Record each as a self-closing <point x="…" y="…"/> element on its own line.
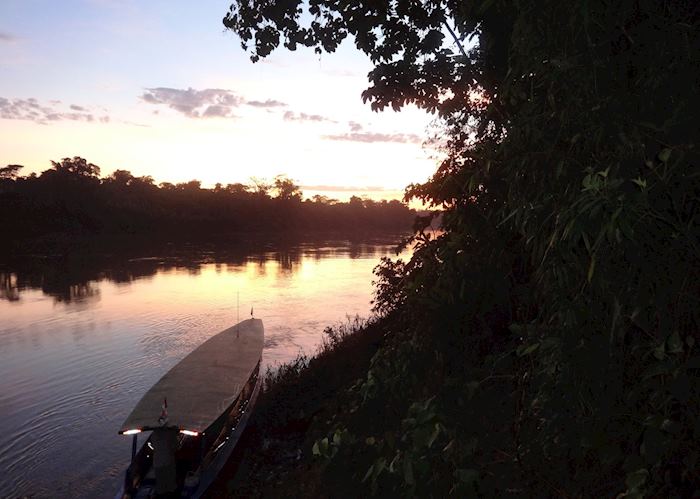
<point x="196" y="413"/>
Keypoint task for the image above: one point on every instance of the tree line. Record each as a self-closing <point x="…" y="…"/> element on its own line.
<point x="71" y="197"/>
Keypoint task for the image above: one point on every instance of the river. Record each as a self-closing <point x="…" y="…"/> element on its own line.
<point x="82" y="338"/>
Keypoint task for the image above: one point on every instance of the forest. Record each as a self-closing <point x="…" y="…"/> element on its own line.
<point x="71" y="198"/>
<point x="545" y="344"/>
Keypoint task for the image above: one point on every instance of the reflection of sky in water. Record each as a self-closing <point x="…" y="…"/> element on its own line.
<point x="80" y="343"/>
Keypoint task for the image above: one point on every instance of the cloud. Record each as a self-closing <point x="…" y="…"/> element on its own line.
<point x="7" y="37"/>
<point x="31" y="110"/>
<point x="206" y="103"/>
<point x="354" y="126"/>
<point x="217" y="111"/>
<point x="268" y="103"/>
<point x="292" y="116"/>
<point x="343" y="73"/>
<point x="343" y="188"/>
<point x="371" y="137"/>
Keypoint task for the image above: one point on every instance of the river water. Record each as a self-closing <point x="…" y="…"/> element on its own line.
<point x="82" y="338"/>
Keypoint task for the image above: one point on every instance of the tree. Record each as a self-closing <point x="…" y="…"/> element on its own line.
<point x="193" y="186"/>
<point x="121" y="178"/>
<point x="569" y="260"/>
<point x="237" y="189"/>
<point x="260" y="186"/>
<point x="356" y="201"/>
<point x="144" y="181"/>
<point x="10" y="172"/>
<point x="405" y="41"/>
<point x="285" y="188"/>
<point x="77" y="167"/>
<point x="320" y="199"/>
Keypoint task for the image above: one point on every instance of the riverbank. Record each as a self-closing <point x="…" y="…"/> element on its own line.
<point x="276" y="456"/>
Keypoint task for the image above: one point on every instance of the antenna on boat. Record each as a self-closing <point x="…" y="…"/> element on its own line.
<point x="238" y="312"/>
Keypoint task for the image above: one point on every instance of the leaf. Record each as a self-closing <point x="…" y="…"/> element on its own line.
<point x="434" y="435"/>
<point x="658" y="369"/>
<point x="469" y="447"/>
<point x="516" y="328"/>
<point x="449" y="446"/>
<point x="616" y="315"/>
<point x="524" y="350"/>
<point x="471" y="388"/>
<point x="609" y="453"/>
<point x="660" y="352"/>
<point x="636" y="479"/>
<point x="641" y="183"/>
<point x="591" y="268"/>
<point x="393" y="462"/>
<point x="369" y="472"/>
<point x="315" y="450"/>
<point x="379" y="466"/>
<point x="674" y="343"/>
<point x="467" y="475"/>
<point x="421" y="436"/>
<point x="408" y="471"/>
<point x="586" y="241"/>
<point x="671" y="426"/>
<point x="664" y="155"/>
<point x="616" y="213"/>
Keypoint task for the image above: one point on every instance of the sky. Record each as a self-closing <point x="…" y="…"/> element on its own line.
<point x="160" y="88"/>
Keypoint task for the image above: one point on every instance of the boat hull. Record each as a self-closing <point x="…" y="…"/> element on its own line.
<point x="210" y="413"/>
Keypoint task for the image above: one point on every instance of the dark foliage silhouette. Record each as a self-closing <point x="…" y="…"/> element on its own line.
<point x="545" y="345"/>
<point x="72" y="198"/>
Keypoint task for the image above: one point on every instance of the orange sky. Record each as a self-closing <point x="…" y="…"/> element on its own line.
<point x="161" y="90"/>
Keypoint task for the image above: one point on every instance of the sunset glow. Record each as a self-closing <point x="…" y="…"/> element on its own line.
<point x="161" y="89"/>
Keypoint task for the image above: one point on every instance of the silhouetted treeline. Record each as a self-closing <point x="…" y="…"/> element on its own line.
<point x="71" y="197"/>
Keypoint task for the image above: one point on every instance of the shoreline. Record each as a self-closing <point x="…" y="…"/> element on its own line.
<point x="275" y="456"/>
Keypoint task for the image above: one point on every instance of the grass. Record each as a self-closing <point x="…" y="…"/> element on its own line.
<point x="274" y="457"/>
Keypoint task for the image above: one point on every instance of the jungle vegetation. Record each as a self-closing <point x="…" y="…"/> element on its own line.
<point x="71" y="198"/>
<point x="546" y="343"/>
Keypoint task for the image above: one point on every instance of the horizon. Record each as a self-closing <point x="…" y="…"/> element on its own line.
<point x="333" y="193"/>
<point x="163" y="90"/>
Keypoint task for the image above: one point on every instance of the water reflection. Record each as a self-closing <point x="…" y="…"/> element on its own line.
<point x="83" y="336"/>
<point x="71" y="278"/>
<point x="8" y="287"/>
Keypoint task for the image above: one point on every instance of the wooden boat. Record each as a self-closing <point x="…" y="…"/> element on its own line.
<point x="196" y="413"/>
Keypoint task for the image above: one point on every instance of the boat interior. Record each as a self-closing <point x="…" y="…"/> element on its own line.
<point x="193" y="453"/>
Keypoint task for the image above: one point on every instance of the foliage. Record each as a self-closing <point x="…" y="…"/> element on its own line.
<point x="10" y="171"/>
<point x="75" y="167"/>
<point x="72" y="198"/>
<point x="545" y="344"/>
<point x="286" y="189"/>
